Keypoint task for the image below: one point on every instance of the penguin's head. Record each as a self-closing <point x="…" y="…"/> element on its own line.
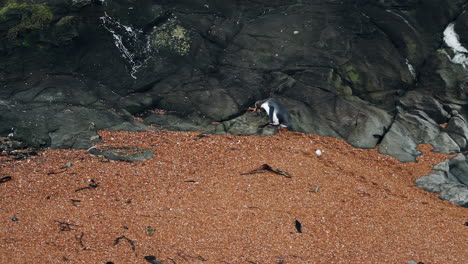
<point x="258" y="105"/>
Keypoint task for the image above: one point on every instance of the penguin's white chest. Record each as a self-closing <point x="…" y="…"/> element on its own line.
<point x="266" y="107"/>
<point x="274" y="115"/>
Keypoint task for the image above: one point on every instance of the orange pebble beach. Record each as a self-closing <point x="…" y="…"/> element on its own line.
<point x="194" y="202"/>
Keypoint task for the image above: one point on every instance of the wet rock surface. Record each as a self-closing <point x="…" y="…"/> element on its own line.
<point x="212" y="61"/>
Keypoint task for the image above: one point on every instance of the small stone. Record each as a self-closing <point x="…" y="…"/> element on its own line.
<point x="318" y="152"/>
<point x="69" y="164"/>
<point x="14" y="219"/>
<point x="150" y="230"/>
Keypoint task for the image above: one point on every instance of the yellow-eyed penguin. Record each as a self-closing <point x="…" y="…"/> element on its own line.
<point x="277" y="113"/>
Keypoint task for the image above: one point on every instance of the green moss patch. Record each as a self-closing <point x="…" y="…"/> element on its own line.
<point x="354" y="77"/>
<point x="31" y="16"/>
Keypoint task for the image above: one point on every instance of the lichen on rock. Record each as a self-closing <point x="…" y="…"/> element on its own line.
<point x="171" y="36"/>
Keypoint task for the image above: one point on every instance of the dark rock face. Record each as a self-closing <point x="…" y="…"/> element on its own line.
<point x="375" y="73"/>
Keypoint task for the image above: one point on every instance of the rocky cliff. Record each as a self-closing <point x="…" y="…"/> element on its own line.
<point x="390" y="74"/>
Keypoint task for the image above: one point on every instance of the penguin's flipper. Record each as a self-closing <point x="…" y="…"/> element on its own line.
<point x="284" y="121"/>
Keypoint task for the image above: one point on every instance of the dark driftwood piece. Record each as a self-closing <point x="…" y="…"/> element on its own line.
<point x="298" y="226"/>
<point x="152" y="260"/>
<point x="92" y="185"/>
<point x="65" y="226"/>
<point x="117" y="240"/>
<point x="5" y="179"/>
<point x="266" y="167"/>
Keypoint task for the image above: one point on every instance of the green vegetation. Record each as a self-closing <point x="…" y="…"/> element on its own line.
<point x="31" y="16"/>
<point x="353" y="76"/>
<point x="173" y="37"/>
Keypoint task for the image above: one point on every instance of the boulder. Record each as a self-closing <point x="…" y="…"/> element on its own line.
<point x="422" y="100"/>
<point x="412" y="128"/>
<point x="60" y="125"/>
<point x="397" y="143"/>
<point x="449" y="180"/>
<point x="250" y="123"/>
<point x="124" y="153"/>
<point x="457" y="129"/>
